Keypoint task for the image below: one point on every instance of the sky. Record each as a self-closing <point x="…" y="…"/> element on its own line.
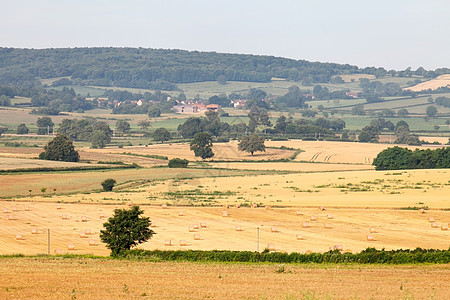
<point x="394" y="34"/>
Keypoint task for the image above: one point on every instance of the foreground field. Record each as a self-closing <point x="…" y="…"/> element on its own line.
<point x="77" y="278"/>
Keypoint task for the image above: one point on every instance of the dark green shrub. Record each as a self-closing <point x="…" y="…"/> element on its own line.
<point x="108" y="184"/>
<point x="178" y="163"/>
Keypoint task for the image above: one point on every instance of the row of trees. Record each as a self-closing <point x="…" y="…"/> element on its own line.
<point x="397" y="158"/>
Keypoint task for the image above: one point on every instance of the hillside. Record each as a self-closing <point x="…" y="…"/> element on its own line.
<point x="158" y="68"/>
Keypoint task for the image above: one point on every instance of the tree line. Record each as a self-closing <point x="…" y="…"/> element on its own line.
<point x="397" y="158"/>
<point x="162" y="69"/>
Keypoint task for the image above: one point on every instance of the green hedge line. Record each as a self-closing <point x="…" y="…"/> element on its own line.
<point x="368" y="256"/>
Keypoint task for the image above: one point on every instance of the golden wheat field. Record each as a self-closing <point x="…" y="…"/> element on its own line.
<point x="440" y="81"/>
<point x="78" y="278"/>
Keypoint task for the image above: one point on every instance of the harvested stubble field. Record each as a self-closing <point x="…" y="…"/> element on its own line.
<point x="223" y="151"/>
<point x="349" y="227"/>
<point x="77" y="278"/>
<point x="433" y="84"/>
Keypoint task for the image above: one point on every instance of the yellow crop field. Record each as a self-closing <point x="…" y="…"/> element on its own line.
<point x="440" y="81"/>
<point x="77" y="278"/>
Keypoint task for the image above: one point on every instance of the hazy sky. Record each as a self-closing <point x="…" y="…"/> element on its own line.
<point x="394" y="34"/>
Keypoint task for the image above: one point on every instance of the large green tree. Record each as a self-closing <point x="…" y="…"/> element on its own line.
<point x="202" y="145"/>
<point x="60" y="148"/>
<point x="125" y="229"/>
<point x="123" y="126"/>
<point x="252" y="143"/>
<point x="161" y="134"/>
<point x="45" y="125"/>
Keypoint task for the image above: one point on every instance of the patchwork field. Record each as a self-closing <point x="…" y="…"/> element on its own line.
<point x="58" y="278"/>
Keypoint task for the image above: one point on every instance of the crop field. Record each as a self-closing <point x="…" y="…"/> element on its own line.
<point x="223" y="151"/>
<point x="59" y="278"/>
<point x="440" y="81"/>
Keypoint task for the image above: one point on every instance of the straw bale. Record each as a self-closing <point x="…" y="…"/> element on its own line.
<point x="92" y="243"/>
<point x="183" y="243"/>
<point x="372" y="230"/>
<point x="434" y="225"/>
<point x="327" y="226"/>
<point x="195" y="226"/>
<point x="238" y="228"/>
<point x="299" y="213"/>
<point x="167" y="243"/>
<point x="191" y="229"/>
<point x="71" y="246"/>
<point x="305" y="225"/>
<point x="329" y="217"/>
<point x="27" y="208"/>
<point x="203" y="225"/>
<point x="273" y="229"/>
<point x="313" y="218"/>
<point x="83" y="235"/>
<point x="180" y="213"/>
<point x="83" y="219"/>
<point x="19" y="236"/>
<point x="88" y="232"/>
<point x="299" y="236"/>
<point x="224" y="213"/>
<point x="34" y="231"/>
<point x="196" y="236"/>
<point x="370" y="238"/>
<point x="444" y="227"/>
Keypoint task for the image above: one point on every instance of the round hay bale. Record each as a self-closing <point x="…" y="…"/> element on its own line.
<point x="58" y="206"/>
<point x="195" y="226"/>
<point x="422" y="211"/>
<point x="444" y="227"/>
<point x="5" y="211"/>
<point x="305" y="225"/>
<point x="180" y="213"/>
<point x="431" y="219"/>
<point x="372" y="230"/>
<point x="434" y="225"/>
<point x="101" y="215"/>
<point x="19" y="236"/>
<point x="83" y="219"/>
<point x="313" y="218"/>
<point x="299" y="213"/>
<point x="83" y="235"/>
<point x="370" y="238"/>
<point x="70" y="246"/>
<point x="27" y="208"/>
<point x="191" y="229"/>
<point x="87" y="231"/>
<point x="183" y="243"/>
<point x="327" y="226"/>
<point x="273" y="229"/>
<point x="164" y="206"/>
<point x="65" y="217"/>
<point x="92" y="243"/>
<point x="15" y="209"/>
<point x="167" y="243"/>
<point x="224" y="213"/>
<point x="34" y="231"/>
<point x="238" y="228"/>
<point x="196" y="237"/>
<point x="203" y="225"/>
<point x="329" y="217"/>
<point x="11" y="217"/>
<point x="299" y="236"/>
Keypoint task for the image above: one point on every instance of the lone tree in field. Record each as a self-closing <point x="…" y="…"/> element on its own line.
<point x="126" y="229"/>
<point x="252" y="143"/>
<point x="161" y="134"/>
<point x="60" y="148"/>
<point x="22" y="129"/>
<point x="123" y="126"/>
<point x="108" y="184"/>
<point x="202" y="145"/>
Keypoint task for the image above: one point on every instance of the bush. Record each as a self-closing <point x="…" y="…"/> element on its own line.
<point x="178" y="163"/>
<point x="108" y="184"/>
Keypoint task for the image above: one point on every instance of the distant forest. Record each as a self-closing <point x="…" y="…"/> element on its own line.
<point x="161" y="69"/>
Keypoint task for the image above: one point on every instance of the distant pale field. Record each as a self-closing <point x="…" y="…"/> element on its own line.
<point x="222" y="151"/>
<point x="78" y="278"/>
<point x="336" y="152"/>
<point x="356" y="77"/>
<point x="291" y="166"/>
<point x="440" y="81"/>
<point x="20" y="163"/>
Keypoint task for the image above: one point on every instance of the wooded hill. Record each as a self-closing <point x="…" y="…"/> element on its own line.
<point x="158" y="68"/>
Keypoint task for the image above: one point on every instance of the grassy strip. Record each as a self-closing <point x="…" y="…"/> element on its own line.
<point x="368" y="256"/>
<point x="62" y="169"/>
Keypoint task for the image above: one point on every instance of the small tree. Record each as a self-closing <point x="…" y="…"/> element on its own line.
<point x="22" y="129"/>
<point x="60" y="148"/>
<point x="252" y="143"/>
<point x="154" y="112"/>
<point x="202" y="145"/>
<point x="161" y="134"/>
<point x="178" y="163"/>
<point x="45" y="125"/>
<point x="144" y="124"/>
<point x="431" y="111"/>
<point x="99" y="139"/>
<point x="126" y="229"/>
<point x="108" y="184"/>
<point x="3" y="130"/>
<point x="123" y="126"/>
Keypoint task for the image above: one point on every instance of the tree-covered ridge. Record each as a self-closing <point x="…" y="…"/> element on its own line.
<point x="157" y="68"/>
